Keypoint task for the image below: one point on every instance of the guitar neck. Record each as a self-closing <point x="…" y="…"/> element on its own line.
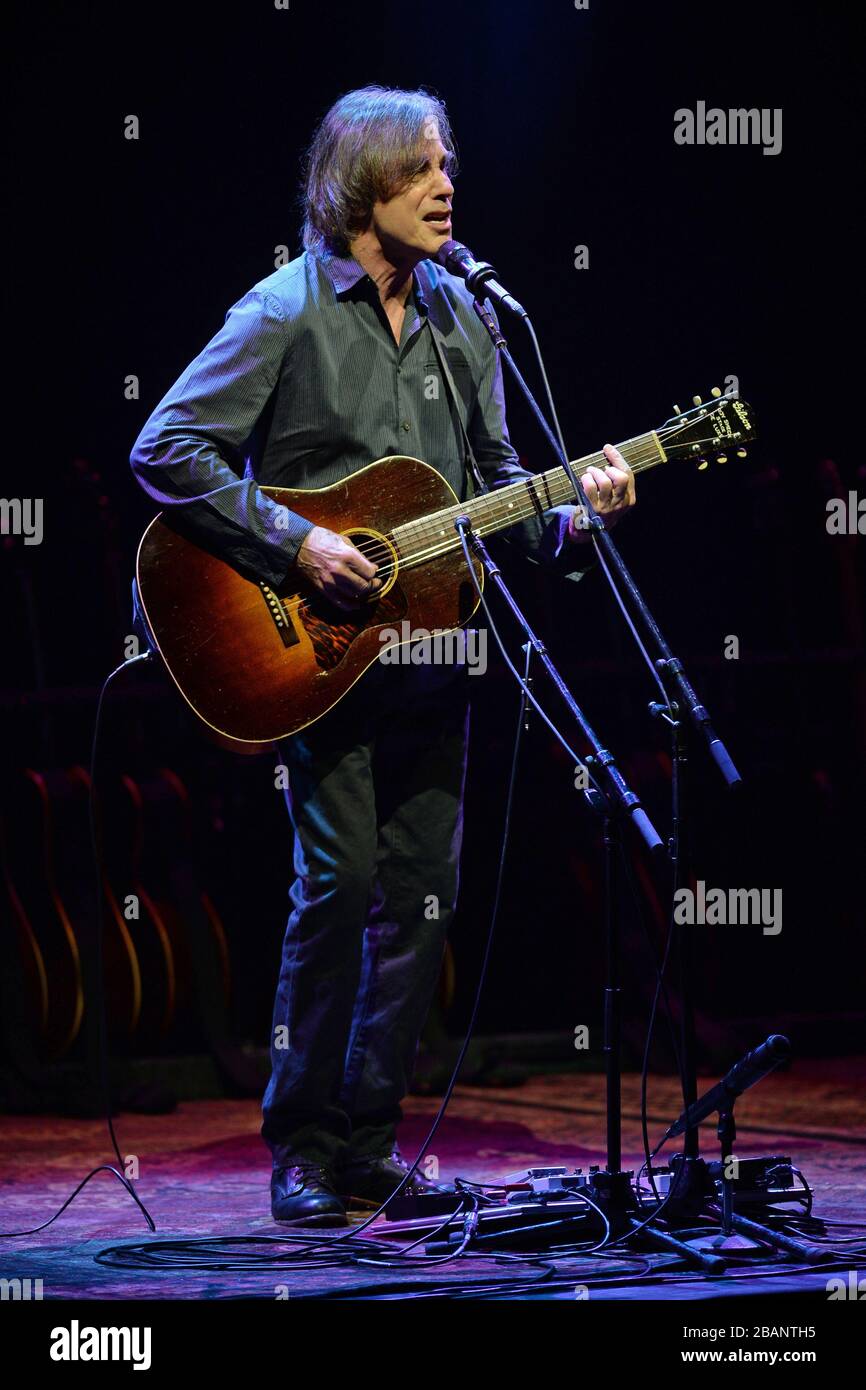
<point x="506" y="506"/>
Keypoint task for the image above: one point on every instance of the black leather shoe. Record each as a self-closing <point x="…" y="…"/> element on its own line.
<point x="374" y="1179"/>
<point x="306" y="1196"/>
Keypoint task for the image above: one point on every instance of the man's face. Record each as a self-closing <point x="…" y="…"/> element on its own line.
<point x="416" y="222"/>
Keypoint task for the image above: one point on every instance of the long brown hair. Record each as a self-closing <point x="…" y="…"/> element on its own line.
<point x="367" y="148"/>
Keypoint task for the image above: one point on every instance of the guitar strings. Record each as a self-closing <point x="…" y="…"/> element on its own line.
<point x="433" y="551"/>
<point x="441" y="547"/>
<point x="553" y="487"/>
<point x="646" y="455"/>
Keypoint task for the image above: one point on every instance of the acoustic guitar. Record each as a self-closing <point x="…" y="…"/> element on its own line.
<point x="256" y="663"/>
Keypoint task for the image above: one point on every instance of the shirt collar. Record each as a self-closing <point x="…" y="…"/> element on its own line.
<point x="344" y="272"/>
<point x="422" y="283"/>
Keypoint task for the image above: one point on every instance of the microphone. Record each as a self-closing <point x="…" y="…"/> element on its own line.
<point x="750" y="1069"/>
<point x="479" y="276"/>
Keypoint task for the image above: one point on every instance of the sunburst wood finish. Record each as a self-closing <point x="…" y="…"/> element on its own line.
<point x="256" y="664"/>
<point x="216" y="631"/>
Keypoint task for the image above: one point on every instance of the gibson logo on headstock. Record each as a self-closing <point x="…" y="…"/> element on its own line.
<point x="722" y="427"/>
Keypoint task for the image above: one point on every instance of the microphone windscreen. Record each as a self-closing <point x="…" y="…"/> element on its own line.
<point x="445" y="250"/>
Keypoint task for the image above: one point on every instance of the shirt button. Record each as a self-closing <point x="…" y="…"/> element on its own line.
<point x="406" y="425"/>
<point x="399" y="371"/>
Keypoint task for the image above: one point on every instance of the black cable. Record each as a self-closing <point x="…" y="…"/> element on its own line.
<point x="595" y="543"/>
<point x="674" y="855"/>
<point x="628" y="872"/>
<point x="352" y="1235"/>
<point x="316" y="1251"/>
<point x="98" y="1003"/>
<point x="667" y="703"/>
<point x="98" y="963"/>
<point x="659" y="969"/>
<point x="102" y="1168"/>
<point x="660" y="972"/>
<point x="674" y="859"/>
<point x="528" y="695"/>
<point x="654" y="1269"/>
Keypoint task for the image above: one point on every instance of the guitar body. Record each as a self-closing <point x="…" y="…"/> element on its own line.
<point x="257" y="664"/>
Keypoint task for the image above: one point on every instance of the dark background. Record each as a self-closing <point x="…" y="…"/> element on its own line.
<point x="704" y="262"/>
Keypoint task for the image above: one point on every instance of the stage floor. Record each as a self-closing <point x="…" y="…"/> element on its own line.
<point x="203" y="1171"/>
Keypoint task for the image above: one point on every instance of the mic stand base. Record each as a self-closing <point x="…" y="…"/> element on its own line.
<point x="696" y="1196"/>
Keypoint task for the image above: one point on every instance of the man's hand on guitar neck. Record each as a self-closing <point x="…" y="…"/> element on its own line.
<point x="610" y="490"/>
<point x="337" y="568"/>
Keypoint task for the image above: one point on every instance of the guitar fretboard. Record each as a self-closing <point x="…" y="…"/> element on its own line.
<point x="434" y="535"/>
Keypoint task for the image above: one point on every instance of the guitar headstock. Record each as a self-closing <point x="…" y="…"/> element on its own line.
<point x="709" y="429"/>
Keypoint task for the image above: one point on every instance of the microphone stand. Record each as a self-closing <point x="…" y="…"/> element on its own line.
<point x="691" y="1181"/>
<point x="669" y="667"/>
<point x="738" y="1232"/>
<point x="615" y="790"/>
<point x="612" y="799"/>
<point x="681" y="696"/>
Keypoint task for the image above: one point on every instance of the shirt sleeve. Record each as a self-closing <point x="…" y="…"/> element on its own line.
<point x="543" y="539"/>
<point x="190" y="456"/>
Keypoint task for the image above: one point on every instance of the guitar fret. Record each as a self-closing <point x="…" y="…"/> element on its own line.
<point x="509" y="505"/>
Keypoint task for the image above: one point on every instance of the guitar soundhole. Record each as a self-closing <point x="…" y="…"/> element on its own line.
<point x="381" y="550"/>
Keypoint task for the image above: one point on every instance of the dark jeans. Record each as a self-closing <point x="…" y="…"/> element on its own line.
<point x="375" y="798"/>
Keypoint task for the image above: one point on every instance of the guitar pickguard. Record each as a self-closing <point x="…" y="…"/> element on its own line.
<point x="332" y="632"/>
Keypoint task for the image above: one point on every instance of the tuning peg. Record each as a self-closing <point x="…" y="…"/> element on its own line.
<point x="742" y="453"/>
<point x="721" y="458"/>
<point x="716" y="391"/>
<point x="677" y="410"/>
<point x="702" y="464"/>
<point x="696" y="400"/>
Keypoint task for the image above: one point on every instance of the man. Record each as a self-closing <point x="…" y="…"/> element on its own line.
<point x="323" y="367"/>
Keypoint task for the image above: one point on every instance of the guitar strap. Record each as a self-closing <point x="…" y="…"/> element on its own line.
<point x="470" y="463"/>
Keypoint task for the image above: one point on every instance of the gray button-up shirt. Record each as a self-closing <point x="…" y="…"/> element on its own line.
<point x="305" y="384"/>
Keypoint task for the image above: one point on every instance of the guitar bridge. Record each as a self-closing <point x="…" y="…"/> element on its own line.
<point x="277" y="610"/>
